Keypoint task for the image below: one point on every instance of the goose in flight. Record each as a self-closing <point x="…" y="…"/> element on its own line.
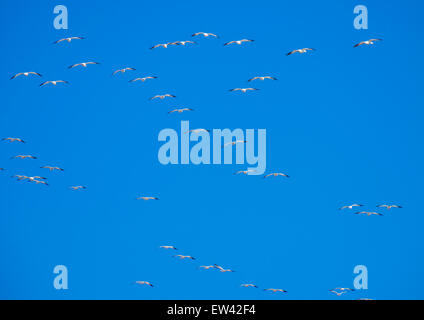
<point x="78" y="187"/>
<point x="351" y="206"/>
<point x="262" y="78"/>
<point x="26" y="74"/>
<point x="13" y="140"/>
<point x="245" y="171"/>
<point x="168" y="247"/>
<point x="84" y="64"/>
<point x="221" y="269"/>
<point x="276" y="290"/>
<point x="147" y="198"/>
<point x="52" y="168"/>
<point x="143" y="79"/>
<point x="40" y="182"/>
<point x="233" y="143"/>
<point x="304" y="50"/>
<point x="337" y="293"/>
<point x="368" y="42"/>
<point x="164" y="45"/>
<point x="207" y="267"/>
<point x="238" y="41"/>
<point x="244" y="90"/>
<point x="123" y="70"/>
<point x="53" y="82"/>
<point x="163" y="96"/>
<point x="342" y="289"/>
<point x="36" y="178"/>
<point x="183" y="43"/>
<point x="205" y="34"/>
<point x="181" y="110"/>
<point x="69" y="39"/>
<point x="369" y="213"/>
<point x="20" y="177"/>
<point x="184" y="257"/>
<point x="249" y="285"/>
<point x="389" y="206"/>
<point x="24" y="157"/>
<point x="144" y="283"/>
<point x="276" y="175"/>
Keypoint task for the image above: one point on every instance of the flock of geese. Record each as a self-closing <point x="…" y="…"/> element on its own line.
<point x="43" y="180"/>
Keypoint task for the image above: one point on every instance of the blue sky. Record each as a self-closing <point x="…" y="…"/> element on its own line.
<point x="344" y="123"/>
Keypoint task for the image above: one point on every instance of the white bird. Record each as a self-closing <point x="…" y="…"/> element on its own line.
<point x="249" y="285"/>
<point x="337" y="293"/>
<point x="351" y="206"/>
<point x="52" y="168"/>
<point x="244" y="90"/>
<point x="164" y="45"/>
<point x="144" y="283"/>
<point x="262" y="78"/>
<point x="181" y="110"/>
<point x="68" y="39"/>
<point x="221" y="269"/>
<point x="24" y="157"/>
<point x="168" y="247"/>
<point x="163" y="96"/>
<point x="389" y="206"/>
<point x="184" y="257"/>
<point x="369" y="213"/>
<point x="39" y="181"/>
<point x="207" y="267"/>
<point x="276" y="290"/>
<point x="53" y="82"/>
<point x="143" y="79"/>
<point x="343" y="289"/>
<point x="84" y="64"/>
<point x="304" y="50"/>
<point x="26" y="74"/>
<point x="78" y="187"/>
<point x="245" y="171"/>
<point x="183" y="43"/>
<point x="368" y="42"/>
<point x="123" y="70"/>
<point x="276" y="175"/>
<point x="13" y="140"/>
<point x="238" y="41"/>
<point x="234" y="143"/>
<point x="147" y="198"/>
<point x="205" y="34"/>
<point x="20" y="177"/>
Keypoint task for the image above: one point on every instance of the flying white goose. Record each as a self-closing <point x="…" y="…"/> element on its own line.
<point x="52" y="168"/>
<point x="147" y="198"/>
<point x="245" y="171"/>
<point x="276" y="290"/>
<point x="368" y="42"/>
<point x="343" y="289"/>
<point x="244" y="90"/>
<point x="369" y="213"/>
<point x="389" y="206"/>
<point x="207" y="267"/>
<point x="164" y="45"/>
<point x="233" y="143"/>
<point x="221" y="269"/>
<point x="123" y="70"/>
<point x="181" y="110"/>
<point x="262" y="78"/>
<point x="24" y="157"/>
<point x="163" y="96"/>
<point x="53" y="82"/>
<point x="13" y="140"/>
<point x="84" y="64"/>
<point x="238" y="42"/>
<point x="184" y="257"/>
<point x="144" y="283"/>
<point x="183" y="43"/>
<point x="276" y="175"/>
<point x="337" y="293"/>
<point x="351" y="206"/>
<point x="78" y="187"/>
<point x="168" y="247"/>
<point x="68" y="39"/>
<point x="26" y="74"/>
<point x="40" y="182"/>
<point x="249" y="285"/>
<point x="304" y="50"/>
<point x="143" y="79"/>
<point x="205" y="34"/>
